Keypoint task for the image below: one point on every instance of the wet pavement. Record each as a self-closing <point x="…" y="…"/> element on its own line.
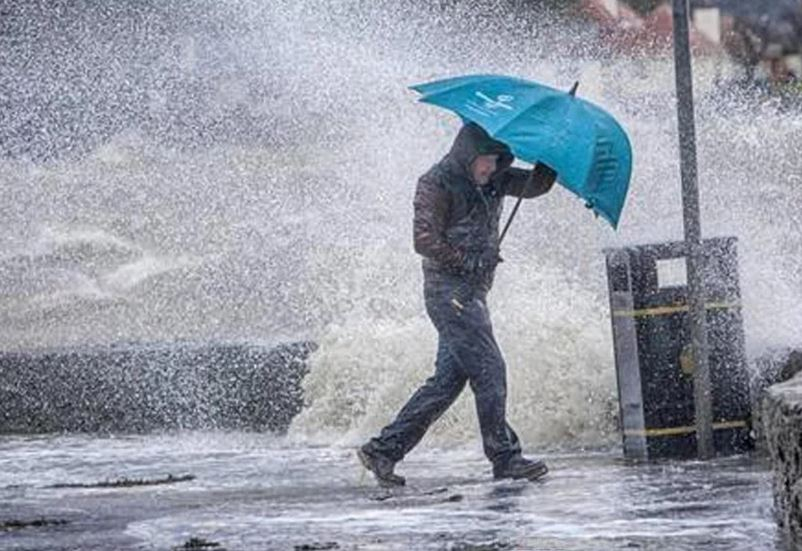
<point x="252" y="491"/>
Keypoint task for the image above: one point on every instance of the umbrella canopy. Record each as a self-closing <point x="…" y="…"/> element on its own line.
<point x="585" y="146"/>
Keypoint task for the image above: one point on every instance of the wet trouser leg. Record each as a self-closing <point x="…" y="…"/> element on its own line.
<point x="467" y="350"/>
<point x="470" y="339"/>
<point x="428" y="403"/>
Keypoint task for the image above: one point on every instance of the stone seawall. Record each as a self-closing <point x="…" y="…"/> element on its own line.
<point x="145" y="387"/>
<point x="782" y="424"/>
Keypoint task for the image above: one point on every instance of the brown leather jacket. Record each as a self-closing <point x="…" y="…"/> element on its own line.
<point x="454" y="216"/>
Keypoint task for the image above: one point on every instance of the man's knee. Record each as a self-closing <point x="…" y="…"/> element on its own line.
<point x="490" y="384"/>
<point x="446" y="383"/>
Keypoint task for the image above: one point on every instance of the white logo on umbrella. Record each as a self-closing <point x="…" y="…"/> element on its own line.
<point x="501" y="102"/>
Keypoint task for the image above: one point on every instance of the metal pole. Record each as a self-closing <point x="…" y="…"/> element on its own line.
<point x="693" y="232"/>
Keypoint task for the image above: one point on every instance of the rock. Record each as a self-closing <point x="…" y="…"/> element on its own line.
<point x="199" y="543"/>
<point x="140" y="388"/>
<point x="792" y="365"/>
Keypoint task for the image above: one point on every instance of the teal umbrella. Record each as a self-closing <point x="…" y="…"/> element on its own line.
<point x="585" y="145"/>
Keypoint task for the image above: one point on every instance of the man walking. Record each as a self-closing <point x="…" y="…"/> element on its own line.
<point x="458" y="205"/>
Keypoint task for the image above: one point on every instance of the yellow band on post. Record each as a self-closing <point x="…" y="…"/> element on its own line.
<point x="665" y="310"/>
<point x="676" y="431"/>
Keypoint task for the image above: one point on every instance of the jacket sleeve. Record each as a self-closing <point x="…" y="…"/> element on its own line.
<point x="429" y="225"/>
<point x="531" y="183"/>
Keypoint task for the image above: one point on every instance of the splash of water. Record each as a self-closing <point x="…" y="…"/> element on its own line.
<point x="245" y="172"/>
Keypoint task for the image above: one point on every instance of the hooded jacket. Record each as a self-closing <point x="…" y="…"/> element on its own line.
<point x="454" y="217"/>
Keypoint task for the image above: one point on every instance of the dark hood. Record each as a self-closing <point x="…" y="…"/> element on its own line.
<point x="472" y="141"/>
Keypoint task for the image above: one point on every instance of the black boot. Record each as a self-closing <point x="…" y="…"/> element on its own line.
<point x="519" y="467"/>
<point x="381" y="467"/>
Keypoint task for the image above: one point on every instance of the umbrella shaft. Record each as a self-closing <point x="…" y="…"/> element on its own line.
<point x="509" y="221"/>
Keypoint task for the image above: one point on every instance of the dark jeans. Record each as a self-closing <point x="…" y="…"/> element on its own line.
<point x="466" y="352"/>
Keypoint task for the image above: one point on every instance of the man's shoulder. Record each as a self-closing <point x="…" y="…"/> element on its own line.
<point x="434" y="174"/>
<point x="439" y="177"/>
